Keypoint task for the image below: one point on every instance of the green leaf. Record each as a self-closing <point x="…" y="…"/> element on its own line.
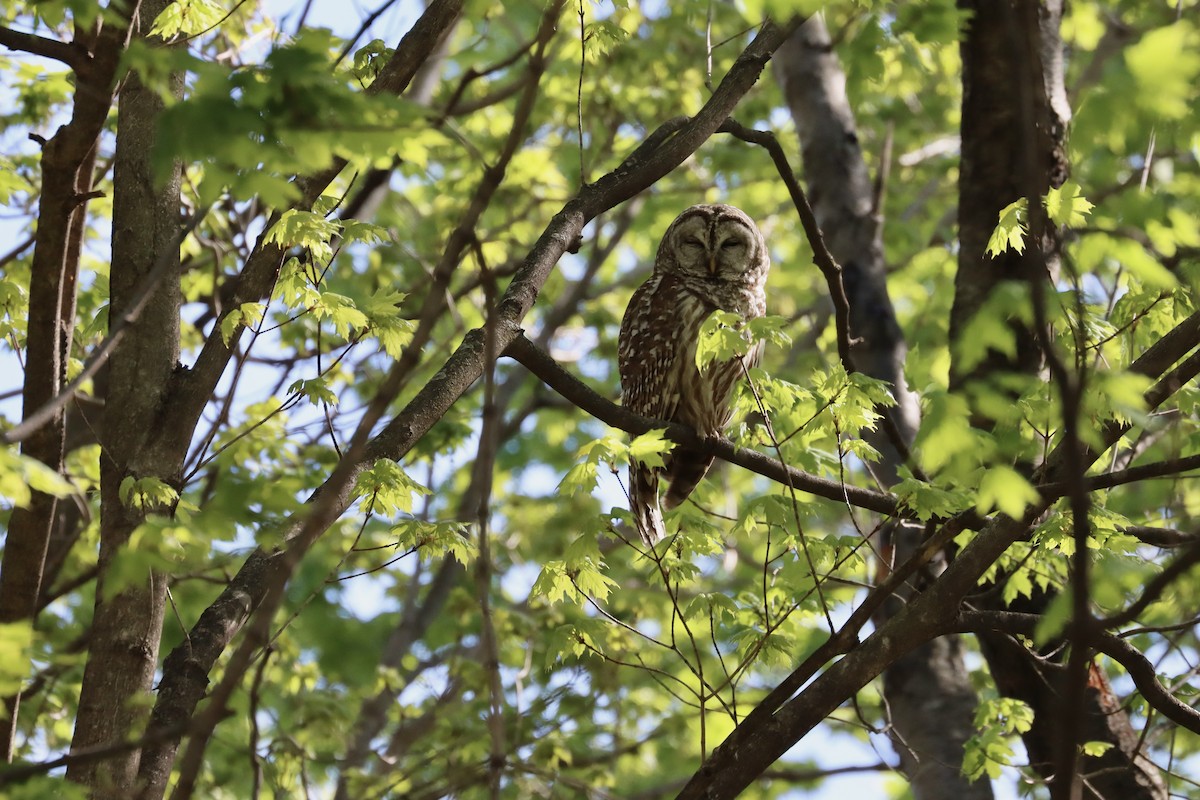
<point x="1096" y="749"/>
<point x="1018" y="584"/>
<point x="1054" y="618"/>
<point x="247" y="315"/>
<point x="721" y="338"/>
<point x="573" y="641"/>
<point x="770" y="329"/>
<point x="382" y="310"/>
<point x="187" y="17"/>
<point x="554" y="583"/>
<point x="591" y="580"/>
<point x="341" y="311"/>
<point x="607" y="449"/>
<point x="996" y="721"/>
<point x="928" y="500"/>
<point x="16" y="649"/>
<point x="991" y="327"/>
<point x="435" y="540"/>
<point x="43" y="786"/>
<point x="946" y="431"/>
<point x="146" y="493"/>
<point x="1010" y="229"/>
<point x="780" y="10"/>
<point x="370" y="59"/>
<point x="354" y="230"/>
<point x="316" y="390"/>
<point x="1003" y="488"/>
<point x="579" y="478"/>
<point x="21" y="475"/>
<point x="306" y="229"/>
<point x="1066" y="205"/>
<point x="386" y="488"/>
<point x="1165" y="62"/>
<point x="650" y="447"/>
<point x="602" y="37"/>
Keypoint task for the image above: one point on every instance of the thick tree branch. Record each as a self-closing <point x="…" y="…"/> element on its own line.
<point x="929" y="694"/>
<point x="74" y="57"/>
<point x="768" y="731"/>
<point x="185" y="672"/>
<point x="119" y="326"/>
<point x="67" y="162"/>
<point x="1135" y="663"/>
<point x="127" y="623"/>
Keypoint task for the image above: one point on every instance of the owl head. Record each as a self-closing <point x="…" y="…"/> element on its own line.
<point x="715" y="243"/>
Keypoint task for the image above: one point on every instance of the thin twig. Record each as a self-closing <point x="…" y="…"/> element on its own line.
<point x="484" y="463"/>
<point x="579" y="92"/>
<point x="830" y="270"/>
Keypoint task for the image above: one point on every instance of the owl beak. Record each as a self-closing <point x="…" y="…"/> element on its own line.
<point x="712" y="265"/>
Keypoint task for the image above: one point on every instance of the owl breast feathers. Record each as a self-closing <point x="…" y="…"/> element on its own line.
<point x="711" y="257"/>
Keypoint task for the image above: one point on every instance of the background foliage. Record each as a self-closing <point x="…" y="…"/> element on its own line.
<point x="480" y="615"/>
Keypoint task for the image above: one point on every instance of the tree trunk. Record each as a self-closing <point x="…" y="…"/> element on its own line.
<point x="68" y="158"/>
<point x="128" y="621"/>
<point x="928" y="691"/>
<point x="1014" y="120"/>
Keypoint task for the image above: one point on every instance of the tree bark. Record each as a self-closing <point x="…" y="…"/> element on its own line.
<point x="1014" y="119"/>
<point x="67" y="162"/>
<point x="928" y="691"/>
<point x="127" y="624"/>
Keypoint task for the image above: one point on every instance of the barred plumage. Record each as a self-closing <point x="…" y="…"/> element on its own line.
<point x="711" y="257"/>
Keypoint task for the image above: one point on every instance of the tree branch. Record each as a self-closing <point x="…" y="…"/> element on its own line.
<point x="192" y="388"/>
<point x="768" y="732"/>
<point x="553" y="375"/>
<point x="830" y="270"/>
<point x="1158" y="469"/>
<point x="1135" y="663"/>
<point x="168" y="259"/>
<point x="185" y="671"/>
<point x="74" y="57"/>
<point x="1155" y="587"/>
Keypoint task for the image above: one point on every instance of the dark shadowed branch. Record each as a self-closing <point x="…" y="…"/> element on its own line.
<point x="1135" y="663"/>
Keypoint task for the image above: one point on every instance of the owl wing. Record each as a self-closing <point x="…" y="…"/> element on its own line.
<point x="651" y="343"/>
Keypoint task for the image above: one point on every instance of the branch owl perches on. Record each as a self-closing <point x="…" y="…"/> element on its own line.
<point x="711" y="258"/>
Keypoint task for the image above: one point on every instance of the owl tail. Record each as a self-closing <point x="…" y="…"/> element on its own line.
<point x="685" y="470"/>
<point x="643" y="502"/>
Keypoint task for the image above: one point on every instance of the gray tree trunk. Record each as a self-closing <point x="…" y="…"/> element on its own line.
<point x="928" y="692"/>
<point x="127" y="626"/>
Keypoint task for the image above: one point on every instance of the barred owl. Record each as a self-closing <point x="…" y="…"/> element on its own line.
<point x="711" y="257"/>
